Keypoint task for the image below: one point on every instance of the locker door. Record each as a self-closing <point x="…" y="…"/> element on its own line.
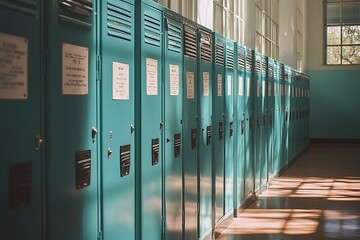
<point x="270" y="116"/>
<point x="190" y="134"/>
<point x="150" y="67"/>
<point x="21" y="120"/>
<point x="117" y="50"/>
<point x="71" y="121"/>
<point x="264" y="123"/>
<point x="229" y="126"/>
<point x="218" y="126"/>
<point x="277" y="118"/>
<point x="205" y="131"/>
<point x="173" y="94"/>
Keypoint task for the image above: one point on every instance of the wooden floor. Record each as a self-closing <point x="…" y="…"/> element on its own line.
<point x="317" y="198"/>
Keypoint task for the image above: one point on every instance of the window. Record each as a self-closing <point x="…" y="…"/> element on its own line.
<point x="229" y="18"/>
<point x="267" y="28"/>
<point x="342" y="32"/>
<point x="300" y="35"/>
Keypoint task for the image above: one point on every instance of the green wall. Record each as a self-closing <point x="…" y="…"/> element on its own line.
<point x="335" y="104"/>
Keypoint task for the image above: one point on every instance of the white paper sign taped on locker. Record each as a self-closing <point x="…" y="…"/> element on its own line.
<point x="229" y="80"/>
<point x="269" y="89"/>
<point x="174" y="80"/>
<point x="219" y="78"/>
<point x="241" y="87"/>
<point x="206" y="83"/>
<point x="190" y="91"/>
<point x="263" y="89"/>
<point x="120" y="81"/>
<point x="248" y="86"/>
<point x="258" y="88"/>
<point x="151" y="76"/>
<point x="13" y="67"/>
<point x="75" y="67"/>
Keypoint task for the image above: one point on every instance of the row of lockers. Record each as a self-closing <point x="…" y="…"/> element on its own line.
<point x="123" y="120"/>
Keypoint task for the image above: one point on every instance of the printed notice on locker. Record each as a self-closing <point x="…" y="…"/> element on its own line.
<point x="174" y="80"/>
<point x="229" y="85"/>
<point x="269" y="89"/>
<point x="75" y="63"/>
<point x="241" y="87"/>
<point x="120" y="81"/>
<point x="13" y="67"/>
<point x="219" y="77"/>
<point x="190" y="85"/>
<point x="206" y="83"/>
<point x="151" y="76"/>
<point x="275" y="90"/>
<point x="248" y="86"/>
<point x="263" y="89"/>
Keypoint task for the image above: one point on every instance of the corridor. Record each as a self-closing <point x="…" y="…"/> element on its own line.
<point x="316" y="198"/>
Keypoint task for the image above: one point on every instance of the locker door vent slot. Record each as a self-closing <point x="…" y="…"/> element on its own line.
<point x="83" y="169"/>
<point x="177" y="145"/>
<point x="208" y="135"/>
<point x="205" y="47"/>
<point x="231" y="129"/>
<point x="286" y="116"/>
<point x="174" y="37"/>
<point x="264" y="66"/>
<point x="28" y="7"/>
<point x="241" y="59"/>
<point x="190" y="42"/>
<point x="219" y="53"/>
<point x="221" y="130"/>
<point x="155" y="151"/>
<point x="248" y="60"/>
<point x="80" y="7"/>
<point x="257" y="65"/>
<point x="230" y="56"/>
<point x="270" y="70"/>
<point x="119" y="22"/>
<point x="125" y="156"/>
<point x="20" y="185"/>
<point x="193" y="138"/>
<point x="281" y="71"/>
<point x="152" y="30"/>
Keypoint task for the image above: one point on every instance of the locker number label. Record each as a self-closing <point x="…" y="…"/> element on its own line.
<point x="190" y="93"/>
<point x="13" y="67"/>
<point x="229" y="80"/>
<point x="206" y="80"/>
<point x="219" y="86"/>
<point x="151" y="76"/>
<point x="174" y="80"/>
<point x="75" y="64"/>
<point x="120" y="81"/>
<point x="241" y="88"/>
<point x="248" y="86"/>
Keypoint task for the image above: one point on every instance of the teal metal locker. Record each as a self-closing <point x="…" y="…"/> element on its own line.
<point x="190" y="134"/>
<point x="218" y="126"/>
<point x="277" y="119"/>
<point x="21" y="97"/>
<point x="71" y="121"/>
<point x="230" y="76"/>
<point x="173" y="115"/>
<point x="249" y="124"/>
<point x="270" y="116"/>
<point x="284" y="116"/>
<point x="149" y="125"/>
<point x="205" y="132"/>
<point x="239" y="111"/>
<point x="264" y="123"/>
<point x="116" y="52"/>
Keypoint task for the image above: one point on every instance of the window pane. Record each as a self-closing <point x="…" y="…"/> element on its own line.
<point x="351" y="55"/>
<point x="351" y="34"/>
<point x="333" y="35"/>
<point x="333" y="13"/>
<point x="258" y="43"/>
<point x="350" y="12"/>
<point x="218" y="19"/>
<point x="333" y="55"/>
<point x="258" y="20"/>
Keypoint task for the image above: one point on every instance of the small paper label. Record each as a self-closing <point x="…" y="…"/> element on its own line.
<point x="248" y="87"/>
<point x="275" y="90"/>
<point x="241" y="87"/>
<point x="13" y="67"/>
<point x="289" y="91"/>
<point x="206" y="83"/>
<point x="75" y="65"/>
<point x="190" y="85"/>
<point x="219" y="78"/>
<point x="151" y="76"/>
<point x="174" y="80"/>
<point x="263" y="88"/>
<point x="229" y="85"/>
<point x="269" y="89"/>
<point x="120" y="81"/>
<point x="258" y="88"/>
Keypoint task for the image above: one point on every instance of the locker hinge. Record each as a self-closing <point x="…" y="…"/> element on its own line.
<point x="98" y="68"/>
<point x="100" y="236"/>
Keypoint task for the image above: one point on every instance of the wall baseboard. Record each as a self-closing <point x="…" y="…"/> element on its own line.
<point x="327" y="140"/>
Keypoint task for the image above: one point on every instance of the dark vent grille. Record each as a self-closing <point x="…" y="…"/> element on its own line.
<point x="190" y="42"/>
<point x="29" y="6"/>
<point x="174" y="38"/>
<point x="281" y="72"/>
<point x="152" y="31"/>
<point x="270" y="70"/>
<point x="241" y="59"/>
<point x="205" y="47"/>
<point x="119" y="22"/>
<point x="219" y="53"/>
<point x="248" y="60"/>
<point x="230" y="57"/>
<point x="257" y="65"/>
<point x="80" y="7"/>
<point x="263" y="69"/>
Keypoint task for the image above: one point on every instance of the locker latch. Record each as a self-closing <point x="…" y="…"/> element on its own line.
<point x="231" y="129"/>
<point x="155" y="151"/>
<point x="208" y="135"/>
<point x="94" y="132"/>
<point x="193" y="138"/>
<point x="38" y="142"/>
<point x="221" y="130"/>
<point x="125" y="160"/>
<point x="242" y="127"/>
<point x="177" y="145"/>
